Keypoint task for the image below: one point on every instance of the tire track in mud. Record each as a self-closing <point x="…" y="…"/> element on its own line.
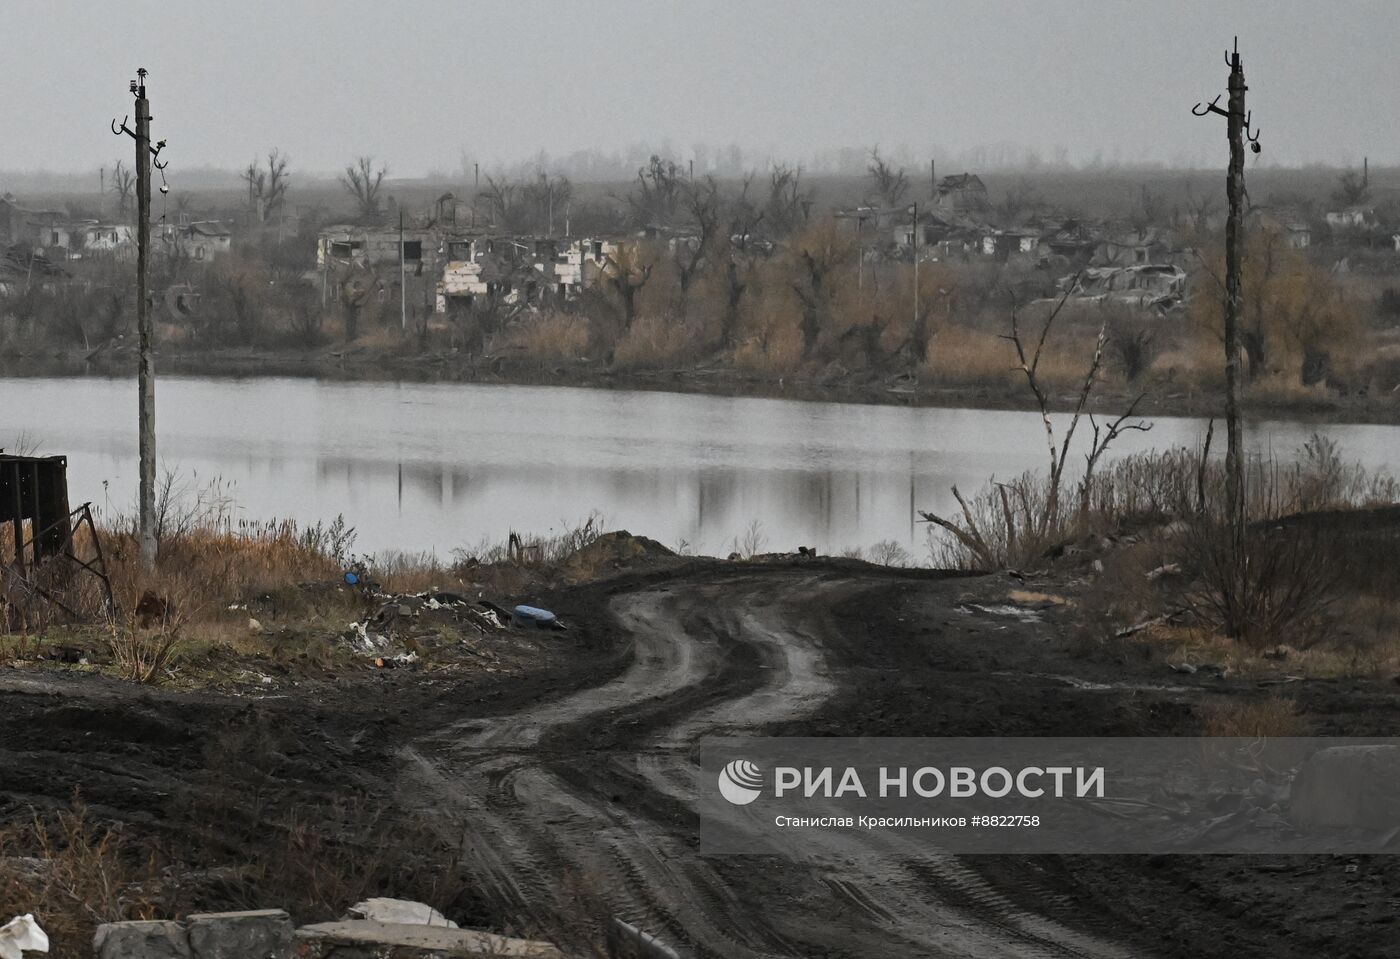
<point x="541" y="791"/>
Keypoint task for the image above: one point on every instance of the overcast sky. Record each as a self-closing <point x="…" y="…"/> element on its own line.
<point x="418" y="84"/>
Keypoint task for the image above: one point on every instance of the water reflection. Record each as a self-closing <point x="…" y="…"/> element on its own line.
<point x="434" y="467"/>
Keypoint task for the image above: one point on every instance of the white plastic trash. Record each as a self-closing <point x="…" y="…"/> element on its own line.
<point x="19" y="934"/>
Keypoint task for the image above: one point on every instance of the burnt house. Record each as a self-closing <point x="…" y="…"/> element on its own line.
<point x="1073" y="240"/>
<point x="962" y="193"/>
<point x="39" y="229"/>
<point x="22" y="269"/>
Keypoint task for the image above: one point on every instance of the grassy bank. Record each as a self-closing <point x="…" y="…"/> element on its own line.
<point x="383" y="364"/>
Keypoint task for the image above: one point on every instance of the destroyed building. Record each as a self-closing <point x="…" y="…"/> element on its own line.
<point x="519" y="269"/>
<point x="962" y="193"/>
<point x="1158" y="286"/>
<point x="201" y="240"/>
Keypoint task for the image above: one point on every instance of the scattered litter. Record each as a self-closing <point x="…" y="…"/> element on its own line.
<point x="1189" y="669"/>
<point x="1169" y="569"/>
<point x="401" y="911"/>
<point x="390" y="662"/>
<point x="19" y="934"/>
<point x="366" y="641"/>
<point x="1003" y="609"/>
<point x="1148" y="623"/>
<point x="1038" y="601"/>
<point x="254" y="626"/>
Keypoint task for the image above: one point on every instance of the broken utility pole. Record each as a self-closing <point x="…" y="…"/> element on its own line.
<point x="146" y="157"/>
<point x="1238" y="129"/>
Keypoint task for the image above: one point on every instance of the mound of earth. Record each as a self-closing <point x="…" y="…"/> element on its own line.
<point x="614" y="552"/>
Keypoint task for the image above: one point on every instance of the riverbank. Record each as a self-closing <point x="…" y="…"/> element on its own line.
<point x="1320" y="404"/>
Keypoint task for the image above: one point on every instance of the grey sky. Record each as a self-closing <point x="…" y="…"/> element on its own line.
<point x="419" y="83"/>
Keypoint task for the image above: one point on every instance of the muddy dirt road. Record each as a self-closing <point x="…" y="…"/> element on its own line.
<point x="571" y="780"/>
<point x="592" y="784"/>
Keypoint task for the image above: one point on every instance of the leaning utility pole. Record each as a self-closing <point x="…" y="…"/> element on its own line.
<point x="1238" y="128"/>
<point x="146" y="156"/>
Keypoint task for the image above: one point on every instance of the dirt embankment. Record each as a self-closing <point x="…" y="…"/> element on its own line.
<point x="558" y="775"/>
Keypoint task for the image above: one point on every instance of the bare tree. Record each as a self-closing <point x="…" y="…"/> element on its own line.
<point x="503" y="202"/>
<point x="363" y="183"/>
<point x="267" y="189"/>
<point x="703" y="203"/>
<point x="1353" y="189"/>
<point x="657" y="197"/>
<point x="789" y="204"/>
<point x="1029" y="365"/>
<point x="627" y="272"/>
<point x="277" y="177"/>
<point x="820" y="256"/>
<point x="1020" y="199"/>
<point x="889" y="184"/>
<point x="546" y="196"/>
<point x="743" y="218"/>
<point x="123" y="185"/>
<point x="1201" y="211"/>
<point x="1146" y="211"/>
<point x="1037" y="521"/>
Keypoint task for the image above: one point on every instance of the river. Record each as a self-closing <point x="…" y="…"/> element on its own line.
<point x="432" y="467"/>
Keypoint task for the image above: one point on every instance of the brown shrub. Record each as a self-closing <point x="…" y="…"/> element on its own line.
<point x="1274" y="717"/>
<point x="656" y="340"/>
<point x="549" y="336"/>
<point x="74" y="874"/>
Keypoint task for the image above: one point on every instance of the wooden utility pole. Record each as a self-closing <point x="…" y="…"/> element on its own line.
<point x="914" y="242"/>
<point x="145" y="369"/>
<point x="146" y="157"/>
<point x="403" y="283"/>
<point x="1234" y="296"/>
<point x="1237" y="128"/>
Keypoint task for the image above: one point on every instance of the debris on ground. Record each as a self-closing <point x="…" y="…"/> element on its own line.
<point x="533" y="616"/>
<point x="1167" y="569"/>
<point x="402" y="911"/>
<point x="1005" y="610"/>
<point x="19" y="934"/>
<point x="406" y="628"/>
<point x="365" y="937"/>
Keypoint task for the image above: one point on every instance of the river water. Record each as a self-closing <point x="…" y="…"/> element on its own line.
<point x="432" y="467"/>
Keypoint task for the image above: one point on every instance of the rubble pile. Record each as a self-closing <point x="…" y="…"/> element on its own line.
<point x="408" y="628"/>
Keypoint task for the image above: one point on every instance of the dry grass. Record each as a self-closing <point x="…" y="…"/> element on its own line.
<point x="1274" y="717"/>
<point x="533" y="549"/>
<point x="554" y="337"/>
<point x="75" y="874"/>
<point x="656" y="340"/>
<point x="773" y="344"/>
<point x="961" y="356"/>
